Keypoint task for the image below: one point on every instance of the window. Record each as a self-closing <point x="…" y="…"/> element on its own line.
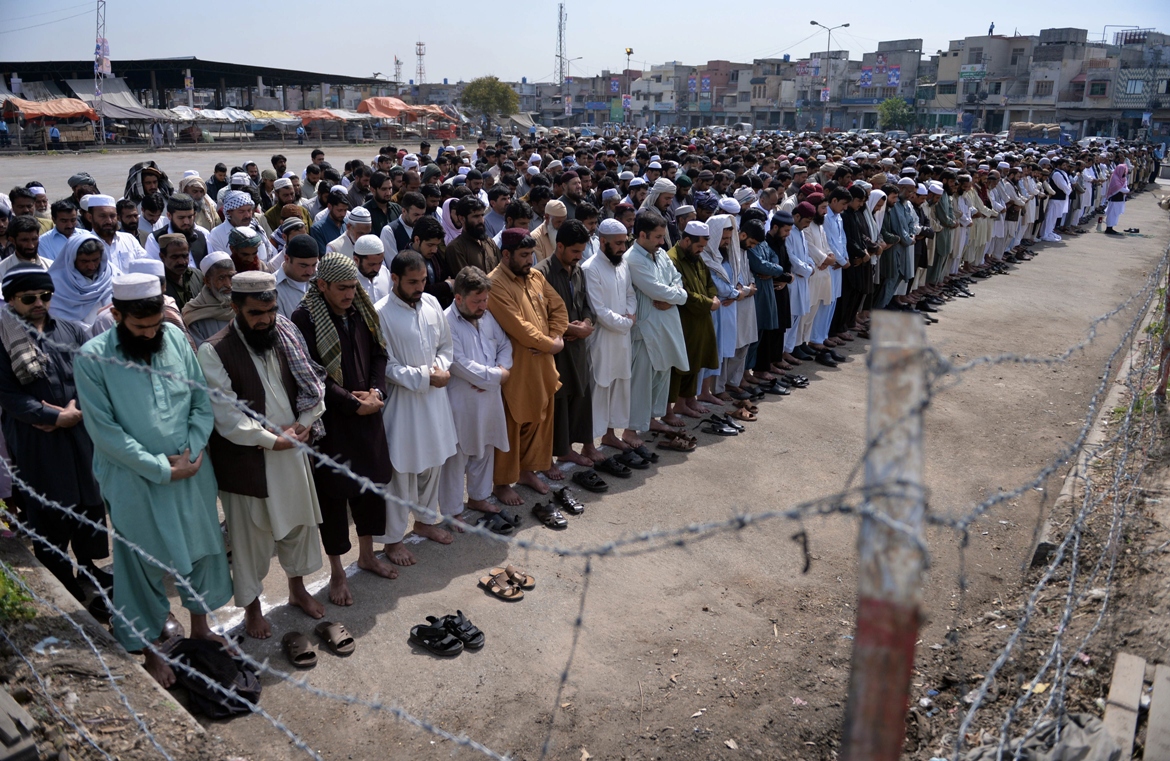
<point x="975" y="55"/>
<point x="995" y="88"/>
<point x="743" y="97"/>
<point x="1017" y="55"/>
<point x="1097" y="89"/>
<point x="1042" y="88"/>
<point x="1134" y="87"/>
<point x="947" y="89"/>
<point x="971" y="88"/>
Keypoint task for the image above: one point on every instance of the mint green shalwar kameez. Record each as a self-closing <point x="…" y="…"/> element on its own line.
<point x="136" y="419"/>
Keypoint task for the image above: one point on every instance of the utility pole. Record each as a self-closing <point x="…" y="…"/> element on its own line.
<point x="397" y="74"/>
<point x="101" y="61"/>
<point x="828" y="117"/>
<point x="420" y="50"/>
<point x="562" y="59"/>
<point x="891" y="558"/>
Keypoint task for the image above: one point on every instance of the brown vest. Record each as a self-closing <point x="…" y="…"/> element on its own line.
<point x="240" y="469"/>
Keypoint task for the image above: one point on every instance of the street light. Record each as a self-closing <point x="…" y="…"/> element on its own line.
<point x="829" y="57"/>
<point x="629" y="52"/>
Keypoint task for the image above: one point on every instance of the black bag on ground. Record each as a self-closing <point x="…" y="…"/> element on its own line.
<point x="210" y="660"/>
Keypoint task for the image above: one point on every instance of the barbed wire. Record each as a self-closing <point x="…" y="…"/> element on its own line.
<point x="850" y="501"/>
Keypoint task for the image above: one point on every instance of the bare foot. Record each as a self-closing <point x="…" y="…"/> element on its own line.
<point x="576" y="459"/>
<point x="376" y="566"/>
<point x="656" y="425"/>
<point x="674" y="420"/>
<point x="532" y="481"/>
<point x="339" y="593"/>
<point x="434" y="533"/>
<point x="709" y="398"/>
<point x="507" y="495"/>
<point x="256" y="625"/>
<point x="158" y="668"/>
<point x="553" y="474"/>
<point x="631" y="439"/>
<point x="299" y="597"/>
<point x="688" y="411"/>
<point x="791" y="359"/>
<point x="398" y="554"/>
<point x="610" y="440"/>
<point x="482" y="506"/>
<point x="457" y="519"/>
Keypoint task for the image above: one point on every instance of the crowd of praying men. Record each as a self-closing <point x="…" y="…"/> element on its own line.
<point x="420" y="338"/>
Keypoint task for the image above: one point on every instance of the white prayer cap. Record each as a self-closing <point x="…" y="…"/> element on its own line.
<point x="626" y="175"/>
<point x="533" y="170"/>
<point x="148" y="265"/>
<point x="887" y="162"/>
<point x="255" y="281"/>
<point x="240" y="178"/>
<point x="84" y="202"/>
<point x="283" y="182"/>
<point x="100" y="200"/>
<point x="907" y="181"/>
<point x="821" y="157"/>
<point x="611" y="227"/>
<point x="212" y="259"/>
<point x="409" y="163"/>
<point x="654" y="165"/>
<point x="729" y="206"/>
<point x="654" y="158"/>
<point x="359" y="215"/>
<point x="683" y="210"/>
<point x="637" y="182"/>
<point x="609" y="193"/>
<point x="464" y="170"/>
<point x="983" y="167"/>
<point x="697" y="229"/>
<point x="368" y="245"/>
<point x="936" y="187"/>
<point x="289" y="175"/>
<point x="1003" y="165"/>
<point x="136" y="285"/>
<point x="556" y="208"/>
<point x="37" y="190"/>
<point x="921" y="189"/>
<point x="190" y="173"/>
<point x="535" y="159"/>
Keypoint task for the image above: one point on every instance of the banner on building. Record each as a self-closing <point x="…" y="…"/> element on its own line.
<point x="568" y="105"/>
<point x="866" y="77"/>
<point x="880" y="58"/>
<point x="825" y="95"/>
<point x="627" y="102"/>
<point x="815" y="66"/>
<point x="894" y="76"/>
<point x="705" y="84"/>
<point x="802" y="68"/>
<point x="101" y="57"/>
<point x="615" y="85"/>
<point x="691" y="84"/>
<point x="189" y="84"/>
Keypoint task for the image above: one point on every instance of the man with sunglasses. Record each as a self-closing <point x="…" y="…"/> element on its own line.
<point x="49" y="449"/>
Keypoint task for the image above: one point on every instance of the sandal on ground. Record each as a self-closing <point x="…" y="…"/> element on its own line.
<point x="499" y="585"/>
<point x="776" y="388"/>
<point x="643" y="452"/>
<point x="687" y="437"/>
<point x="742" y="414"/>
<point x="631" y="459"/>
<point x="718" y="429"/>
<point x="435" y="640"/>
<point x="590" y="481"/>
<point x="507" y="517"/>
<point x="459" y="627"/>
<point x="725" y="421"/>
<point x="568" y="502"/>
<point x="517" y="576"/>
<point x="336" y="636"/>
<point x="297" y="649"/>
<point x="496" y="524"/>
<point x="748" y="406"/>
<point x="677" y="445"/>
<point x="611" y="466"/>
<point x="550" y="516"/>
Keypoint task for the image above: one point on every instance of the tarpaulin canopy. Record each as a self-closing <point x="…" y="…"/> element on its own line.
<point x="117" y="100"/>
<point x="41" y="91"/>
<point x="61" y="108"/>
<point x="316" y="114"/>
<point x="274" y="116"/>
<point x="349" y="116"/>
<point x="521" y="119"/>
<point x="383" y="108"/>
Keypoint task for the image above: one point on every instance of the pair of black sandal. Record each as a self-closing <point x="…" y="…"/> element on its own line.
<point x="796" y="381"/>
<point x="502" y="522"/>
<point x="721" y="425"/>
<point x="447" y="636"/>
<point x="550" y="514"/>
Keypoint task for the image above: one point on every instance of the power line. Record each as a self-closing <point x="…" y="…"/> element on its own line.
<point x="49" y="13"/>
<point x="47" y="23"/>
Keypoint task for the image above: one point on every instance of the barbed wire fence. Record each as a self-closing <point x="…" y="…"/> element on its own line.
<point x="1110" y="493"/>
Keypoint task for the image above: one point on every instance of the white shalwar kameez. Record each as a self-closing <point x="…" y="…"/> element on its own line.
<point x="612" y="297"/>
<point x="420" y="431"/>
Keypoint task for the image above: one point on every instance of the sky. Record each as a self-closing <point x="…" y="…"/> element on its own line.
<point x="360" y="37"/>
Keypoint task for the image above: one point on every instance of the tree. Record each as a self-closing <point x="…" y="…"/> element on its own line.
<point x="490" y="97"/>
<point x="895" y="113"/>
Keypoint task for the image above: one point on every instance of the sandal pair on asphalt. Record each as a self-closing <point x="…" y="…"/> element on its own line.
<point x="507" y="583"/>
<point x="447" y="636"/>
<point x="550" y="514"/>
<point x="299" y="650"/>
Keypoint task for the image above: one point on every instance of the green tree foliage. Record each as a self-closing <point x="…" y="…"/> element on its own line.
<point x="490" y="97"/>
<point x="895" y="113"/>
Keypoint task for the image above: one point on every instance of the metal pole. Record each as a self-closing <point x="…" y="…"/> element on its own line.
<point x="890" y="561"/>
<point x="828" y="62"/>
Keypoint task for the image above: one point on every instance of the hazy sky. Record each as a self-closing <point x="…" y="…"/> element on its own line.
<point x="360" y="37"/>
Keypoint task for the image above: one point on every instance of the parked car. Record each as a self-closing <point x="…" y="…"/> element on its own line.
<point x="897" y="134"/>
<point x="1002" y="135"/>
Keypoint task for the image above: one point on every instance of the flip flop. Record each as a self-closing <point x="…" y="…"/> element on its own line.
<point x="461" y="628"/>
<point x="435" y="640"/>
<point x="630" y="459"/>
<point x="297" y="649"/>
<point x="499" y="585"/>
<point x="645" y="453"/>
<point x="495" y="524"/>
<point x="568" y="502"/>
<point x="590" y="481"/>
<point x="336" y="637"/>
<point x="611" y="466"/>
<point x="550" y="516"/>
<point x="517" y="576"/>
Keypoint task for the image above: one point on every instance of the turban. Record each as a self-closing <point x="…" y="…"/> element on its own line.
<point x="236" y="199"/>
<point x="192" y="181"/>
<point x="302" y="247"/>
<point x="706" y="201"/>
<point x="82" y="178"/>
<point x="243" y="237"/>
<point x="729" y="206"/>
<point x="336" y="268"/>
<point x="611" y="227"/>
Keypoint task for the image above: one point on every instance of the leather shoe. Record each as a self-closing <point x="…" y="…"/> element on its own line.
<point x="836" y="357"/>
<point x="802" y="353"/>
<point x="826" y="359"/>
<point x="924" y="307"/>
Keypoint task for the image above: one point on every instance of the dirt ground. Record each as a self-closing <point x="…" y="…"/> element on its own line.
<point x="722" y="647"/>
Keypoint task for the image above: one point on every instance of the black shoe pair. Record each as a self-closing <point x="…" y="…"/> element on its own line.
<point x="826" y="358"/>
<point x="775" y="388"/>
<point x="447" y="636"/>
<point x="802" y="352"/>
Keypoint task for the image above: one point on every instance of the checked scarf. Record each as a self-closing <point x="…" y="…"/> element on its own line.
<point x="18" y="336"/>
<point x="310" y="380"/>
<point x="337" y="268"/>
